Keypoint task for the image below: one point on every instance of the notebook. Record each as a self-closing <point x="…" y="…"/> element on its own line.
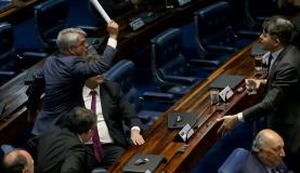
<point x="180" y="119"/>
<point x="227" y="80"/>
<point x="143" y="163"/>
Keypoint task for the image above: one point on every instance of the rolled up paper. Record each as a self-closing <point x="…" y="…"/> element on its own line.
<point x="100" y="9"/>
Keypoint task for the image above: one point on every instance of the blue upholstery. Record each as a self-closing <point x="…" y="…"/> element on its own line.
<point x="51" y="17"/>
<point x="123" y="73"/>
<point x="169" y="67"/>
<point x="8" y="56"/>
<point x="214" y="30"/>
<point x="233" y="162"/>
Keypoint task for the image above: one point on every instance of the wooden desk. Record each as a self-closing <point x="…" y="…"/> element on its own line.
<point x="160" y="140"/>
<point x="18" y="10"/>
<point x="130" y="42"/>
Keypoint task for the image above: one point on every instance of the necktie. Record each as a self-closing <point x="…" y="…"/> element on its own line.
<point x="95" y="138"/>
<point x="270" y="61"/>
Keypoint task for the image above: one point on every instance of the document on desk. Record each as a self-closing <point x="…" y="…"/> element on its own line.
<point x="143" y="163"/>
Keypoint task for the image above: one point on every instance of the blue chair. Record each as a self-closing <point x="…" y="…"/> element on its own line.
<point x="233" y="162"/>
<point x="10" y="62"/>
<point x="172" y="71"/>
<point x="51" y="17"/>
<point x="215" y="32"/>
<point x="123" y="73"/>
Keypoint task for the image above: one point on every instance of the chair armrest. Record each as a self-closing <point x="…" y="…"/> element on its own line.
<point x="158" y="97"/>
<point x="204" y="63"/>
<point x="221" y="49"/>
<point x="88" y="29"/>
<point x="180" y="79"/>
<point x="248" y="34"/>
<point x="7" y="73"/>
<point x="34" y="55"/>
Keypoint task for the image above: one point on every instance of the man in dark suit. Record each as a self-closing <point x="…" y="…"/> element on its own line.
<point x="266" y="155"/>
<point x="63" y="76"/>
<point x="280" y="105"/>
<point x="112" y="110"/>
<point x="62" y="149"/>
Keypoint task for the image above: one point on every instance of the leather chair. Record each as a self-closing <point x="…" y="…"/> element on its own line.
<point x="148" y="105"/>
<point x="170" y="69"/>
<point x="232" y="163"/>
<point x="215" y="33"/>
<point x="51" y="17"/>
<point x="10" y="62"/>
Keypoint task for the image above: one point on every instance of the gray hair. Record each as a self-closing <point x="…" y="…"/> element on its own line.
<point x="279" y="28"/>
<point x="258" y="143"/>
<point x="68" y="37"/>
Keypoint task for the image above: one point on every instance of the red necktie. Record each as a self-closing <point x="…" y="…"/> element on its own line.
<point x="96" y="140"/>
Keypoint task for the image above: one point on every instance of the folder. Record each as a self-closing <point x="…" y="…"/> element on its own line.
<point x="180" y="119"/>
<point x="143" y="163"/>
<point x="227" y="80"/>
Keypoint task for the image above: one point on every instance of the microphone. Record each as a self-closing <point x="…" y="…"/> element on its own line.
<point x="100" y="9"/>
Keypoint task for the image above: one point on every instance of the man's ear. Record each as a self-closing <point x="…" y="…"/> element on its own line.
<point x="71" y="50"/>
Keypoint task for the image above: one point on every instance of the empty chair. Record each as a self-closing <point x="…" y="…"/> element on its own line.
<point x="11" y="63"/>
<point x="170" y="69"/>
<point x="8" y="56"/>
<point x="214" y="31"/>
<point x="51" y="17"/>
<point x="123" y="73"/>
<point x="233" y="162"/>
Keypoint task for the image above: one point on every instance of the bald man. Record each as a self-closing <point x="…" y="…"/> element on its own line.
<point x="266" y="155"/>
<point x="18" y="161"/>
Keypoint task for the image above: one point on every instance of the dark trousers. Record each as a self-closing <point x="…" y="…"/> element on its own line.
<point x="111" y="154"/>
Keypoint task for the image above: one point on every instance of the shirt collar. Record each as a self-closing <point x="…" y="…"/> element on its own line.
<point x="86" y="91"/>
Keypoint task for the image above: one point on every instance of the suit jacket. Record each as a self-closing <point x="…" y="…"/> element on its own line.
<point x="62" y="79"/>
<point x="61" y="151"/>
<point x="115" y="109"/>
<point x="252" y="164"/>
<point x="281" y="103"/>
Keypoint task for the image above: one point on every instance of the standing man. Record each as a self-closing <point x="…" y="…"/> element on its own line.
<point x="62" y="149"/>
<point x="112" y="109"/>
<point x="63" y="77"/>
<point x="281" y="103"/>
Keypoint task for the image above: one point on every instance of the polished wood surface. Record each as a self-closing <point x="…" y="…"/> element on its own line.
<point x="161" y="140"/>
<point x="17" y="9"/>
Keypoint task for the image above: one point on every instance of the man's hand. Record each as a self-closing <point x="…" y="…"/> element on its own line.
<point x="136" y="137"/>
<point x="113" y="30"/>
<point x="257" y="82"/>
<point x="229" y="122"/>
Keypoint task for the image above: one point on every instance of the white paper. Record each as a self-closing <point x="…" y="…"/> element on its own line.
<point x="100" y="9"/>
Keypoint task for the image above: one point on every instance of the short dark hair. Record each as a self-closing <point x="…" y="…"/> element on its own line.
<point x="18" y="164"/>
<point x="80" y="120"/>
<point x="279" y="27"/>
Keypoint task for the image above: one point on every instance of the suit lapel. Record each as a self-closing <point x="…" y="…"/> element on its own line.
<point x="103" y="98"/>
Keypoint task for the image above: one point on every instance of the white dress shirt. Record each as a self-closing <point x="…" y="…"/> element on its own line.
<point x="101" y="125"/>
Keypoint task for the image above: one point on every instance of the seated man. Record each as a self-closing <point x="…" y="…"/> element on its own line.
<point x="266" y="155"/>
<point x="18" y="161"/>
<point x="62" y="149"/>
<point x="112" y="109"/>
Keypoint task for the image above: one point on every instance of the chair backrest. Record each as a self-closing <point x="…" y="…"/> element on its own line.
<point x="213" y="26"/>
<point x="7" y="49"/>
<point x="166" y="57"/>
<point x="123" y="73"/>
<point x="233" y="162"/>
<point x="51" y="17"/>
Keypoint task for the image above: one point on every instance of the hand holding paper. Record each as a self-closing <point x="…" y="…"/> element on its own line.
<point x="100" y="9"/>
